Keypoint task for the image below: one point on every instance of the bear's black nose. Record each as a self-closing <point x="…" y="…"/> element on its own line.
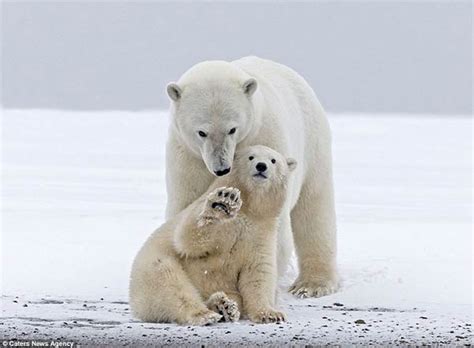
<point x="222" y="172"/>
<point x="261" y="167"/>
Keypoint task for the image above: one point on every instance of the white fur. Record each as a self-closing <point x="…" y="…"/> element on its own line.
<point x="281" y="111"/>
<point x="218" y="256"/>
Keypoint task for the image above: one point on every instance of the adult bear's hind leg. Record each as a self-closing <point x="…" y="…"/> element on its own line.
<point x="313" y="223"/>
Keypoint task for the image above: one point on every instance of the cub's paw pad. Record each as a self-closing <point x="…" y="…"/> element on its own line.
<point x="205" y="318"/>
<point x="225" y="200"/>
<point x="266" y="316"/>
<point x="317" y="288"/>
<point x="220" y="303"/>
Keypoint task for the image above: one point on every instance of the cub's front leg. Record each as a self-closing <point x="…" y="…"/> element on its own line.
<point x="221" y="205"/>
<point x="257" y="285"/>
<point x="198" y="233"/>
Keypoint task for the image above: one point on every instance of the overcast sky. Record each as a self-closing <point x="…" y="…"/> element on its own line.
<point x="358" y="56"/>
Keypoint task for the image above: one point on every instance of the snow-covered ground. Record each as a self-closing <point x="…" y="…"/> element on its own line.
<point x="82" y="191"/>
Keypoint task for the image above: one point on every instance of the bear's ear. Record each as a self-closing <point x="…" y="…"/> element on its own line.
<point x="291" y="164"/>
<point x="174" y="91"/>
<point x="250" y="86"/>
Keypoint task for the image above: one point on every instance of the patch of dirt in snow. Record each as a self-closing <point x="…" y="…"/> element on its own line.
<point x="109" y="322"/>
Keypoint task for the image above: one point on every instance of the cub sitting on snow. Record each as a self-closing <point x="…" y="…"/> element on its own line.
<point x="216" y="259"/>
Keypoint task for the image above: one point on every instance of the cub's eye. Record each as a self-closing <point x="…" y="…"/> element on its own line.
<point x="202" y="134"/>
<point x="273" y="161"/>
<point x="232" y="131"/>
<point x="250" y="158"/>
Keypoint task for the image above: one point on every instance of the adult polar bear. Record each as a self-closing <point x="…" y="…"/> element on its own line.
<point x="219" y="106"/>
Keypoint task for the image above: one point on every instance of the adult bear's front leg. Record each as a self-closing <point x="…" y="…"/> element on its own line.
<point x="313" y="223"/>
<point x="187" y="177"/>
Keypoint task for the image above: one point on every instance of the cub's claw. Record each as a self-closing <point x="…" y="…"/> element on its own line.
<point x="205" y="318"/>
<point x="228" y="308"/>
<point x="225" y="201"/>
<point x="222" y="204"/>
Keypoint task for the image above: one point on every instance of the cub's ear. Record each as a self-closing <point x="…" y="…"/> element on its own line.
<point x="291" y="164"/>
<point x="250" y="86"/>
<point x="174" y="91"/>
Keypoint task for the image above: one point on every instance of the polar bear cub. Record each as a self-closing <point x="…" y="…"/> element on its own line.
<point x="216" y="260"/>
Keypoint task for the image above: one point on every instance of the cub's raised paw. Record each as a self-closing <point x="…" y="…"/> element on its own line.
<point x="224" y="201"/>
<point x="204" y="318"/>
<point x="228" y="308"/>
<point x="266" y="316"/>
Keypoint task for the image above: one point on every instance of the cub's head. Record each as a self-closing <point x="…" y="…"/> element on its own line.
<point x="213" y="110"/>
<point x="260" y="168"/>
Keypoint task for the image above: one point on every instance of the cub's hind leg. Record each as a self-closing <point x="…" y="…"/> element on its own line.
<point x="220" y="303"/>
<point x="160" y="291"/>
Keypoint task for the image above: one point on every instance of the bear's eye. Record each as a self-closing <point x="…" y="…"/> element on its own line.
<point x="250" y="158"/>
<point x="202" y="134"/>
<point x="273" y="161"/>
<point x="232" y="131"/>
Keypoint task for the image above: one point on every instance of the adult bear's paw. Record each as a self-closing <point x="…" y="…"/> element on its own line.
<point x="266" y="316"/>
<point x="303" y="288"/>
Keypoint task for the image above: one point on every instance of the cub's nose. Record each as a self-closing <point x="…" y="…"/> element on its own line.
<point x="222" y="172"/>
<point x="261" y="167"/>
